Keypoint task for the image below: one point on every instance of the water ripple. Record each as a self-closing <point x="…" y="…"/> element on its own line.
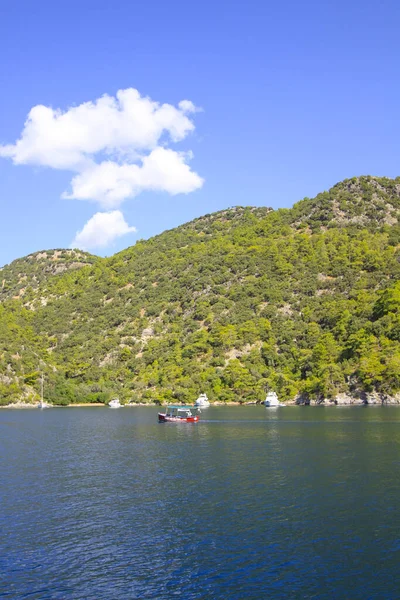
<point x="245" y="504"/>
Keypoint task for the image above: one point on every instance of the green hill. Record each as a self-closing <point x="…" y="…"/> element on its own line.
<point x="304" y="301"/>
<point x="25" y="275"/>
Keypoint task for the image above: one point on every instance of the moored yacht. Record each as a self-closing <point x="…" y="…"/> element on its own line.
<point x="115" y="403"/>
<point x="272" y="401"/>
<point x="202" y="401"/>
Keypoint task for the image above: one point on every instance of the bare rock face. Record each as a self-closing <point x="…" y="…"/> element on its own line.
<point x="391" y="399"/>
<point x="346" y="400"/>
<point x="371" y="398"/>
<point x="363" y="399"/>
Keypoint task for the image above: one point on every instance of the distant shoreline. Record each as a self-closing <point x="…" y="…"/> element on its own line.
<point x="355" y="402"/>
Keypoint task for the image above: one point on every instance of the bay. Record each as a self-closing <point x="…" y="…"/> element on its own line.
<point x="299" y="502"/>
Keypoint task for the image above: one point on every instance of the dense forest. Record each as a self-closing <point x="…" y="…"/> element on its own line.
<point x="303" y="301"/>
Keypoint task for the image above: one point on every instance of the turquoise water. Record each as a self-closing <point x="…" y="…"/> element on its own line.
<point x="248" y="503"/>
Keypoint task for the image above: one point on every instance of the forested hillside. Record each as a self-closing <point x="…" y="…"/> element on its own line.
<point x="24" y="275"/>
<point x="304" y="301"/>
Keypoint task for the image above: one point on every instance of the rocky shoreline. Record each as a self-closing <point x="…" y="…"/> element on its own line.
<point x="363" y="399"/>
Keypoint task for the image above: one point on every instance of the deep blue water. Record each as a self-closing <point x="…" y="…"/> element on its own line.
<point x="249" y="503"/>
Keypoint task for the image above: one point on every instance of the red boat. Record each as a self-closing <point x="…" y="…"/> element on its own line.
<point x="179" y="414"/>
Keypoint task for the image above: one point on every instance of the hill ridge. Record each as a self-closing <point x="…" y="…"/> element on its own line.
<point x="351" y="184"/>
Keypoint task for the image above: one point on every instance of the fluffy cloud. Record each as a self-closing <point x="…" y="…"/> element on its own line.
<point x="117" y="147"/>
<point x="124" y="125"/>
<point x="110" y="183"/>
<point x="101" y="230"/>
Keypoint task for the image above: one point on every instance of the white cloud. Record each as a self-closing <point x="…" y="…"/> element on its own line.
<point x="122" y="125"/>
<point x="101" y="230"/>
<point x="117" y="147"/>
<point x="109" y="183"/>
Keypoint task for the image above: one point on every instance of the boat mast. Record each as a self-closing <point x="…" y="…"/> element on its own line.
<point x="41" y="389"/>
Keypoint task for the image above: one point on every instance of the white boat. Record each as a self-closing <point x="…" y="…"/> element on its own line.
<point x="272" y="401"/>
<point x="115" y="403"/>
<point x="202" y="401"/>
<point x="42" y="403"/>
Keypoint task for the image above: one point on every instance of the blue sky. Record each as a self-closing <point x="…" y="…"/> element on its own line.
<point x="294" y="97"/>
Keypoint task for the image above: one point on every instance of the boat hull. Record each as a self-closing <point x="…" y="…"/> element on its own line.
<point x="167" y="419"/>
<point x="115" y="404"/>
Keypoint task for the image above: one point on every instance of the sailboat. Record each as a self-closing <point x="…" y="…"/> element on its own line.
<point x="42" y="404"/>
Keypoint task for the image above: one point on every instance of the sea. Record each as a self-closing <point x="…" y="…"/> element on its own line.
<point x="249" y="503"/>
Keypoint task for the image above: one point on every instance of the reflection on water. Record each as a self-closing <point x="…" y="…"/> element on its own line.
<point x="298" y="502"/>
